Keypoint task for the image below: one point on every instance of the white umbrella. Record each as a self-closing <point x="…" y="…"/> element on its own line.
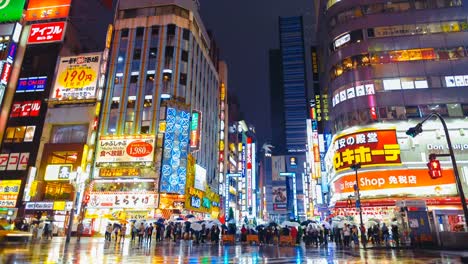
<point x="215" y="222"/>
<point x="326" y="224"/>
<point x="295" y="224"/>
<point x="196" y="226"/>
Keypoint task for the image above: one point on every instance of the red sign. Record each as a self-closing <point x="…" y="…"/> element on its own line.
<point x="5" y="73"/>
<point x="46" y="32"/>
<point x="47" y="9"/>
<point x="369" y="147"/>
<point x="26" y="108"/>
<point x="139" y="149"/>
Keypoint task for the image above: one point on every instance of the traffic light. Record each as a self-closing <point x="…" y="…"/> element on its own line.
<point x="435" y="171"/>
<point x="414" y="131"/>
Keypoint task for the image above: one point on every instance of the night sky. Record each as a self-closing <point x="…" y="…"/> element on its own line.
<point x="245" y="30"/>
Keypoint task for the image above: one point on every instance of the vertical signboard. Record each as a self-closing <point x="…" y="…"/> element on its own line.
<point x="249" y="171"/>
<point x="175" y="151"/>
<point x="195" y="129"/>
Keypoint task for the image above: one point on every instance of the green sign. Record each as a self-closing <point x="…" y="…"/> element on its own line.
<point x="11" y="10"/>
<point x="194" y="121"/>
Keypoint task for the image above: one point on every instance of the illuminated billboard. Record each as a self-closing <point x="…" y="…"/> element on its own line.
<point x="47" y="32"/>
<point x="31" y="84"/>
<point x="125" y="149"/>
<point x="175" y="151"/>
<point x="370" y="147"/>
<point x="47" y="9"/>
<point x="77" y="77"/>
<point x="9" y="191"/>
<point x="195" y="129"/>
<point x="25" y="108"/>
<point x="11" y="10"/>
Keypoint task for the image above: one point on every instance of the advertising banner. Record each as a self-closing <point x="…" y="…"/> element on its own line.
<point x="119" y="172"/>
<point x="14" y="161"/>
<point x="59" y="172"/>
<point x="389" y="179"/>
<point x="47" y="9"/>
<point x="25" y="108"/>
<point x="77" y="77"/>
<point x="9" y="191"/>
<point x="195" y="126"/>
<point x="122" y="200"/>
<point x="280" y="199"/>
<point x="370" y="147"/>
<point x="47" y="32"/>
<point x="11" y="10"/>
<point x="200" y="178"/>
<point x="175" y="151"/>
<point x="31" y="84"/>
<point x="278" y="165"/>
<point x="130" y="149"/>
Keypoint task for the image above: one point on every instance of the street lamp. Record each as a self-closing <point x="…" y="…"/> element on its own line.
<point x="356" y="167"/>
<point x="416" y="130"/>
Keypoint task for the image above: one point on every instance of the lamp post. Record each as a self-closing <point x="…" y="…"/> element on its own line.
<point x="76" y="182"/>
<point x="416" y="130"/>
<point x="356" y="167"/>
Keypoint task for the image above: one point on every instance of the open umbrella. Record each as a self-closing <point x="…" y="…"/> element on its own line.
<point x="288" y="223"/>
<point x="196" y="226"/>
<point x="179" y="218"/>
<point x="272" y="224"/>
<point x="326" y="224"/>
<point x="259" y="227"/>
<point x="161" y="220"/>
<point x="189" y="216"/>
<point x="306" y="222"/>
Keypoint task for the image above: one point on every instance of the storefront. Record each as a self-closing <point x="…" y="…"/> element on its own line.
<point x="103" y="208"/>
<point x="52" y="212"/>
<point x="393" y="171"/>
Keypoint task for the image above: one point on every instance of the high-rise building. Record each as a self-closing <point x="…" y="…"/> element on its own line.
<point x="294" y="82"/>
<point x="386" y="66"/>
<point x="278" y="132"/>
<point x="49" y="31"/>
<point x="161" y="84"/>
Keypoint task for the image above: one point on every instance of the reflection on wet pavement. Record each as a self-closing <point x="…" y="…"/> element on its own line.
<point x="95" y="250"/>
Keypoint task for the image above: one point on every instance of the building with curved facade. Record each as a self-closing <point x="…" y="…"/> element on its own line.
<point x="159" y="116"/>
<point x="385" y="66"/>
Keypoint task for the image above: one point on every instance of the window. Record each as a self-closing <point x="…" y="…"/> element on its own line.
<point x="153" y="53"/>
<point x="184" y="56"/>
<point x="171" y="29"/>
<point x="63" y="157"/>
<point x="69" y="134"/>
<point x="125" y="33"/>
<point x="412" y="112"/>
<point x="183" y="79"/>
<point x="454" y="110"/>
<point x="19" y="134"/>
<point x="137" y="54"/>
<point x="140" y="32"/>
<point x="155" y="30"/>
<point x="185" y="34"/>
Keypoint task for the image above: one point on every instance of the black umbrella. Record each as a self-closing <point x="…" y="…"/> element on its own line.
<point x="307" y="222"/>
<point x="189" y="216"/>
<point x="224" y="226"/>
<point x="161" y="220"/>
<point x="259" y="227"/>
<point x="272" y="224"/>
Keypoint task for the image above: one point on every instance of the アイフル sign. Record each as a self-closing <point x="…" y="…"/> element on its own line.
<point x="47" y="32"/>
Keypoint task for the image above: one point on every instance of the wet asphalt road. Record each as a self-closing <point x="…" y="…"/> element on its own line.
<point x="96" y="250"/>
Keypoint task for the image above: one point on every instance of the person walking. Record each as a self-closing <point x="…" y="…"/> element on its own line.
<point x="116" y="232"/>
<point x="141" y="232"/>
<point x="108" y="232"/>
<point x="346" y="235"/>
<point x="385" y="234"/>
<point x="133" y="231"/>
<point x="396" y="235"/>
<point x="79" y="230"/>
<point x="149" y="233"/>
<point x="363" y="236"/>
<point x="123" y="232"/>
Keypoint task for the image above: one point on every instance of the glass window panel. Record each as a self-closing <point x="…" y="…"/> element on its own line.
<point x="392" y="84"/>
<point x="9" y="134"/>
<point x="69" y="134"/>
<point x="454" y="110"/>
<point x="421" y="84"/>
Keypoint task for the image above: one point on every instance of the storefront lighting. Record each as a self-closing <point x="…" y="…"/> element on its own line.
<point x="165" y="96"/>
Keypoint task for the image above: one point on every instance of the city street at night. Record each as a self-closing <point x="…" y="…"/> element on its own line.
<point x="95" y="250"/>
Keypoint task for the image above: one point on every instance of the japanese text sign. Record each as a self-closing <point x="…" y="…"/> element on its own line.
<point x="122" y="200"/>
<point x="46" y="32"/>
<point x="119" y="172"/>
<point x="77" y="77"/>
<point x="25" y="108"/>
<point x="387" y="179"/>
<point x="134" y="149"/>
<point x="368" y="147"/>
<point x="11" y="10"/>
<point x="9" y="191"/>
<point x="14" y="161"/>
<point x="47" y="9"/>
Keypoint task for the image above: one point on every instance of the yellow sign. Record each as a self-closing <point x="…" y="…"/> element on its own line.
<point x="10" y="187"/>
<point x="59" y="205"/>
<point x="77" y="77"/>
<point x="110" y="28"/>
<point x="119" y="172"/>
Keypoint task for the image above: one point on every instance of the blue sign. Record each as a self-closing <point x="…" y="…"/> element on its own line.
<point x="12" y="52"/>
<point x="31" y="84"/>
<point x="358" y="204"/>
<point x="175" y="151"/>
<point x="195" y="202"/>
